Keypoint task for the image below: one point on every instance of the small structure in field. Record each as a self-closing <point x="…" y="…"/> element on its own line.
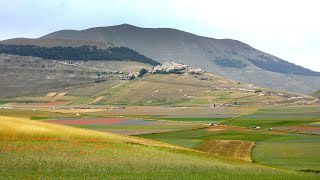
<point x="256" y="127"/>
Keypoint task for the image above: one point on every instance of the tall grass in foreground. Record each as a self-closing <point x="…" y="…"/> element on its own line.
<point x="31" y="149"/>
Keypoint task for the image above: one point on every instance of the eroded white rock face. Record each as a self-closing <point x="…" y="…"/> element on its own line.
<point x="172" y="67"/>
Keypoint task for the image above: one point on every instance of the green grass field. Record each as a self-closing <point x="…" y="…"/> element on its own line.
<point x="3" y="102"/>
<point x="280" y="116"/>
<point x="169" y="146"/>
<point x="193" y="138"/>
<point x="36" y="150"/>
<point x="289" y="151"/>
<point x="34" y="114"/>
<point x="196" y="119"/>
<point x="139" y="129"/>
<point x="297" y="152"/>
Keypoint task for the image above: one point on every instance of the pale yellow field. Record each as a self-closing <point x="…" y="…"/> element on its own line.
<point x="51" y="94"/>
<point x="12" y="128"/>
<point x="229" y="148"/>
<point x="96" y="100"/>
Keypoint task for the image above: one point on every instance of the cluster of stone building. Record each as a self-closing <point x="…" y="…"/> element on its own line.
<point x="172" y="67"/>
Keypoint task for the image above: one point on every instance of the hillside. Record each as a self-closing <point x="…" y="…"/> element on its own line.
<point x="32" y="76"/>
<point x="316" y="94"/>
<point x="195" y="90"/>
<point x="228" y="58"/>
<point x="32" y="150"/>
<point x="110" y="82"/>
<point x="98" y="83"/>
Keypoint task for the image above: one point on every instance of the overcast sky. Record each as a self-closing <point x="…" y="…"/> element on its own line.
<point x="289" y="29"/>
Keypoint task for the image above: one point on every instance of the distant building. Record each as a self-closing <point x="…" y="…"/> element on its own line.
<point x="172" y="67"/>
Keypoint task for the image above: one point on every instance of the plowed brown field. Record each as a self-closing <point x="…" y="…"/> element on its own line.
<point x="229" y="148"/>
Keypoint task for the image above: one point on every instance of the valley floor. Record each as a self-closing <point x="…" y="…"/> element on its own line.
<point x="189" y="143"/>
<point x="31" y="149"/>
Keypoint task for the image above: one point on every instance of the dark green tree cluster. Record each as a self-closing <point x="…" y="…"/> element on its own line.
<point x="142" y="72"/>
<point x="77" y="53"/>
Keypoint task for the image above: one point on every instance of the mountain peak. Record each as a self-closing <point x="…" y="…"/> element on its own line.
<point x="226" y="57"/>
<point x="124" y="26"/>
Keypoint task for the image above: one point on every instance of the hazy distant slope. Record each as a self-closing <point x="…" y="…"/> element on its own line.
<point x="229" y="58"/>
<point x="316" y="94"/>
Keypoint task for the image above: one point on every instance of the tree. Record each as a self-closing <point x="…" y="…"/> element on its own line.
<point x="142" y="72"/>
<point x="132" y="77"/>
<point x="77" y="53"/>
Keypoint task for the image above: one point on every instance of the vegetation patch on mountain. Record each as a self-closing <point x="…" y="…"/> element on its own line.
<point x="230" y="63"/>
<point x="281" y="66"/>
<point x="77" y="53"/>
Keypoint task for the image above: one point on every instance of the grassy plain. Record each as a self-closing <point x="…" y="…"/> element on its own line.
<point x="34" y="114"/>
<point x="229" y="148"/>
<point x="296" y="152"/>
<point x="176" y="133"/>
<point x="32" y="149"/>
<point x="196" y="119"/>
<point x="195" y="137"/>
<point x="278" y="116"/>
<point x="272" y="148"/>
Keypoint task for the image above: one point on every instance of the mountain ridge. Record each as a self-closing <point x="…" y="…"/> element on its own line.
<point x="56" y="42"/>
<point x="226" y="57"/>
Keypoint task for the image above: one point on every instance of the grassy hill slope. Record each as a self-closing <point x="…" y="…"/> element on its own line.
<point x="29" y="76"/>
<point x="79" y="88"/>
<point x="192" y="90"/>
<point x="31" y="149"/>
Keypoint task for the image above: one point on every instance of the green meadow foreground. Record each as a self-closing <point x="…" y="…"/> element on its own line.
<point x="30" y="148"/>
<point x="287" y="137"/>
<point x="34" y="149"/>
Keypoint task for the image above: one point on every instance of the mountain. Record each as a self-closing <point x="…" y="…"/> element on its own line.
<point x="225" y="57"/>
<point x="316" y="94"/>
